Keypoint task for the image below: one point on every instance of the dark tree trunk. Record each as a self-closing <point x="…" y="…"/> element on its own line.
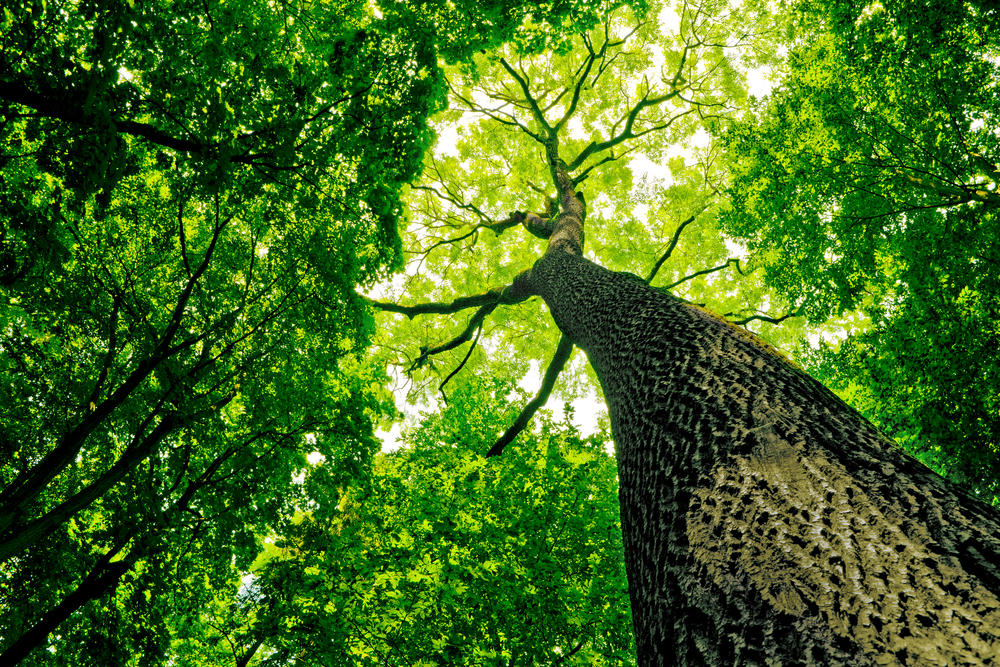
<point x="765" y="521"/>
<point x="104" y="575"/>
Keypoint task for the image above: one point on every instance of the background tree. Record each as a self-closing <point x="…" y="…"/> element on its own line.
<point x="189" y="197"/>
<point x="868" y="179"/>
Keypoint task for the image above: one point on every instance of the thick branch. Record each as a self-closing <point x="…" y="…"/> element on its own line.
<point x="958" y="194"/>
<point x="702" y="273"/>
<point x="25" y="536"/>
<point x="474" y="323"/>
<point x="670" y="249"/>
<point x="494" y="296"/>
<point x="73" y="113"/>
<point x="104" y="575"/>
<point x="558" y="362"/>
<point x="627" y="133"/>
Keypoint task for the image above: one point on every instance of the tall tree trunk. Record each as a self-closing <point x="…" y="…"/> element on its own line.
<point x="765" y="521"/>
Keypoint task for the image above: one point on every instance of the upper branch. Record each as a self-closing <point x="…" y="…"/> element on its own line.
<point x="703" y="272"/>
<point x="795" y="312"/>
<point x="529" y="98"/>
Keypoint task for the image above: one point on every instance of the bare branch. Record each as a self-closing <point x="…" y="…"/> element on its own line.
<point x="582" y="176"/>
<point x="494" y="114"/>
<point x="528" y="97"/>
<point x="494" y="297"/>
<point x="474" y="323"/>
<point x="556" y="366"/>
<point x="458" y="305"/>
<point x="498" y="228"/>
<point x="795" y="312"/>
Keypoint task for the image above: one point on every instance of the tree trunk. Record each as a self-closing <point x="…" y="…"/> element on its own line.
<point x="765" y="521"/>
<point x="104" y="575"/>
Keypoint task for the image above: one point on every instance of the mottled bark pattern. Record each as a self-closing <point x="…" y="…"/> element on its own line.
<point x="765" y="522"/>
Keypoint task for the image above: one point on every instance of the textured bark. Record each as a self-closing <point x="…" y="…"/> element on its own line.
<point x="765" y="521"/>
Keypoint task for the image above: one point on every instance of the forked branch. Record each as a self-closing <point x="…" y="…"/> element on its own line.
<point x="474" y="323"/>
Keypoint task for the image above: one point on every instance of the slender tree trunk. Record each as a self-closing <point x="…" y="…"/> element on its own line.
<point x="104" y="575"/>
<point x="765" y="521"/>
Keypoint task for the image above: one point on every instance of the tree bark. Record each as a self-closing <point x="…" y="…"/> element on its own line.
<point x="764" y="520"/>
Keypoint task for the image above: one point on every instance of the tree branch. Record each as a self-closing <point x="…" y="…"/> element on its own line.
<point x="474" y="323"/>
<point x="468" y="354"/>
<point x="497" y="228"/>
<point x="796" y="312"/>
<point x="494" y="296"/>
<point x="556" y="366"/>
<point x="702" y="273"/>
<point x="670" y="248"/>
<point x="535" y="111"/>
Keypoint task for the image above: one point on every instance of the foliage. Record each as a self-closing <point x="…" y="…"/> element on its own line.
<point x="162" y="389"/>
<point x="189" y="195"/>
<point x="868" y="180"/>
<point x="450" y="558"/>
<point x="305" y="95"/>
<point x="624" y="96"/>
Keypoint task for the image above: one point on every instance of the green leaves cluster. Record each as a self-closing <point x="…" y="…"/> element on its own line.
<point x="452" y="559"/>
<point x="161" y="391"/>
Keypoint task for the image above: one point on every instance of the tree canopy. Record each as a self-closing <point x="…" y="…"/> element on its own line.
<point x="195" y="198"/>
<point x="190" y="196"/>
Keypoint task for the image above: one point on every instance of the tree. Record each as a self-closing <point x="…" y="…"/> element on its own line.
<point x="189" y="196"/>
<point x="764" y="520"/>
<point x="868" y="180"/>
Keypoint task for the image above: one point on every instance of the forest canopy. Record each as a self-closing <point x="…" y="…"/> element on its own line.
<point x="237" y="237"/>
